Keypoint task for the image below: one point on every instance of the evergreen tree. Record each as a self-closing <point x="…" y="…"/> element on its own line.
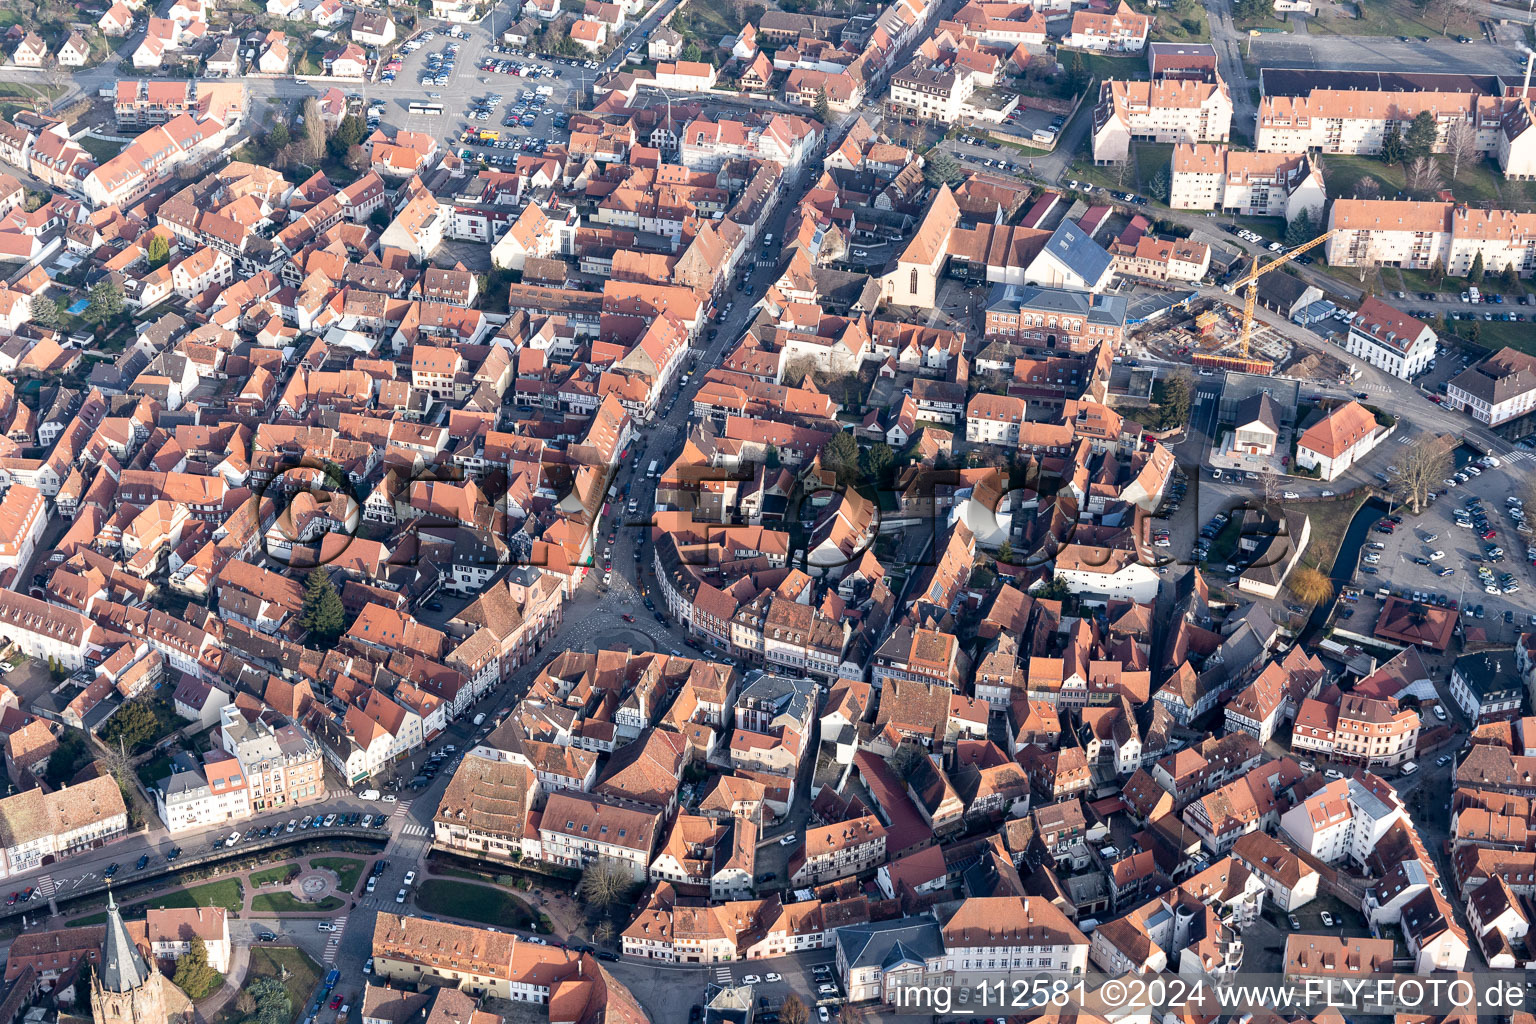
<point x="940" y="168"/>
<point x="46" y="312"/>
<point x="878" y="460"/>
<point x="134" y="724"/>
<point x="1476" y="273"/>
<point x="1076" y="72"/>
<point x="1509" y="280"/>
<point x="1436" y="273"/>
<point x="194" y="975"/>
<point x="822" y="108"/>
<point x="349" y="133"/>
<point x="1393" y="151"/>
<point x="841" y="455"/>
<point x="1422" y="135"/>
<point x="106" y="301"/>
<point x="159" y="251"/>
<point x="1299" y="230"/>
<point x="322" y="616"/>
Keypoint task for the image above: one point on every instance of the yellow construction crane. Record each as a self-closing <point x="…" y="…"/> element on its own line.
<point x="1251" y="282"/>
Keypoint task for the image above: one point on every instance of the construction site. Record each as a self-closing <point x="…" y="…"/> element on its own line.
<point x="1219" y="335"/>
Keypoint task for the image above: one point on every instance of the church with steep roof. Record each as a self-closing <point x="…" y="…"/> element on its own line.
<point x="125" y="987"/>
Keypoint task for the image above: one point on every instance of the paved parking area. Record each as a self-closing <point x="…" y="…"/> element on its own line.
<point x="468" y="83"/>
<point x="1459" y="547"/>
<point x="794" y="974"/>
<point x="1380" y="53"/>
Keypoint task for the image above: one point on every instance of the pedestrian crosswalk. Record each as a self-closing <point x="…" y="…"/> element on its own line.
<point x="45" y="888"/>
<point x="401" y="808"/>
<point x="723" y="976"/>
<point x="333" y="944"/>
<point x="414" y="829"/>
<point x="1519" y="455"/>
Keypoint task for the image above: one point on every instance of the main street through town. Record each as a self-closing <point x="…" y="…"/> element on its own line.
<point x="595" y="618"/>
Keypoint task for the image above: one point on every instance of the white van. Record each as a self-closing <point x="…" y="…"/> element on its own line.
<point x="1409" y="767"/>
<point x="480" y="718"/>
<point x="368" y="794"/>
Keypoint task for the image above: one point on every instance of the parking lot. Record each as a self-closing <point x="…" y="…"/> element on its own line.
<point x="462" y="73"/>
<point x="813" y="978"/>
<point x="983" y="156"/>
<point x="1435" y="556"/>
<point x="1379" y="53"/>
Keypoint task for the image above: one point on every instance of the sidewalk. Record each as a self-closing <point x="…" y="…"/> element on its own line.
<point x="234" y="980"/>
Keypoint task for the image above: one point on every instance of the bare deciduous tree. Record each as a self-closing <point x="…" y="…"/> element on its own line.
<point x="604" y="883"/>
<point x="1271" y="485"/>
<point x="793" y="1010"/>
<point x="1460" y="144"/>
<point x="1448" y="11"/>
<point x="1425" y="464"/>
<point x="1424" y="175"/>
<point x="905" y="758"/>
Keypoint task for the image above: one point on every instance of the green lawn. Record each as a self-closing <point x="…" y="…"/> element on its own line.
<point x="102" y="149"/>
<point x="1329" y="521"/>
<point x="1102" y="66"/>
<point x="1147" y="158"/>
<point x="706" y="24"/>
<point x="1494" y="335"/>
<point x="272" y="876"/>
<point x="1267" y="23"/>
<point x="29" y="91"/>
<point x="472" y="903"/>
<point x="1475" y="182"/>
<point x="152" y="771"/>
<point x="1170" y="27"/>
<point x="1393" y="18"/>
<point x="287" y="903"/>
<point x="348" y="870"/>
<point x="223" y="893"/>
<point x="301" y="977"/>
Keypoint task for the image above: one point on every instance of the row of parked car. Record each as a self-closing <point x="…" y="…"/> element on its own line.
<point x="309" y="821"/>
<point x="433" y="766"/>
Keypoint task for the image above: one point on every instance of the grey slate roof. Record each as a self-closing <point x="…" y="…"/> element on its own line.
<point x="1095" y="309"/>
<point x="886" y="944"/>
<point x="122" y="968"/>
<point x="1074" y="248"/>
<point x="1258" y="408"/>
<point x="1491" y="675"/>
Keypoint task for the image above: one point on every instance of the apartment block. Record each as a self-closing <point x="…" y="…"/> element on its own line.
<point x="1390" y="339"/>
<point x="1350" y="116"/>
<point x="1171" y="110"/>
<point x="1212" y="177"/>
<point x="283" y="764"/>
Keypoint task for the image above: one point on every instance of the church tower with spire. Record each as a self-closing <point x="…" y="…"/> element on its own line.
<point x="125" y="989"/>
